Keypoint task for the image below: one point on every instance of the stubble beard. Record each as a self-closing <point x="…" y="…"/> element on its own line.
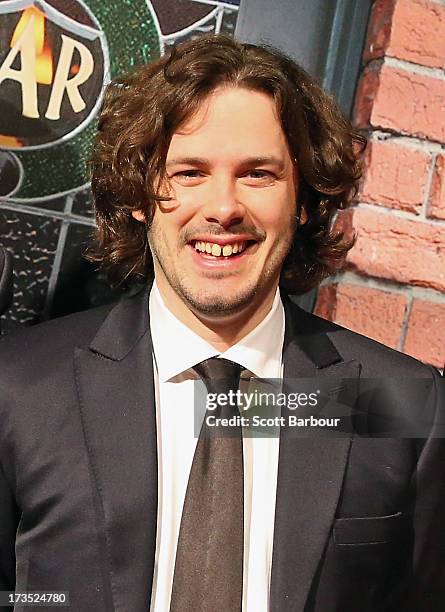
<point x="215" y="304"/>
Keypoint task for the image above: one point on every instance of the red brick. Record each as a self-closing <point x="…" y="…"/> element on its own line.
<point x="425" y="339"/>
<point x="367" y="89"/>
<point x="379" y="29"/>
<point x="410" y="103"/>
<point x="326" y="302"/>
<point x="344" y="222"/>
<point x="372" y="312"/>
<point x="436" y="207"/>
<point x="418" y="33"/>
<point x="398" y="249"/>
<point x="395" y="176"/>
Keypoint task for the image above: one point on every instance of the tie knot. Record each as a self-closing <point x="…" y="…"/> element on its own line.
<point x="219" y="375"/>
<point x="218" y="368"/>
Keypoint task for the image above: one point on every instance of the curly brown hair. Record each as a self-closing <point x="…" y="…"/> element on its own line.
<point x="140" y="113"/>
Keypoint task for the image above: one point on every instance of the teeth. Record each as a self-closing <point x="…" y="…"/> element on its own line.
<point x="216" y="250"/>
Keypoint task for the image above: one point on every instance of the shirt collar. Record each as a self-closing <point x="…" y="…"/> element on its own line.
<point x="177" y="348"/>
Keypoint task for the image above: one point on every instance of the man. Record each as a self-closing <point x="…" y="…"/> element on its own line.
<point x="220" y="166"/>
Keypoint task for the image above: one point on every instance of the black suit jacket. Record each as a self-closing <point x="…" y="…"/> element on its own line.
<point x="6" y="280"/>
<point x="359" y="521"/>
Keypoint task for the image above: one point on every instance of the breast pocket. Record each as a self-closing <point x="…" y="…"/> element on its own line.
<point x="371" y="530"/>
<point x="367" y="559"/>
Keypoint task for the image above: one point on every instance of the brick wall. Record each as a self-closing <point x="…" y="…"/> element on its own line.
<point x="393" y="288"/>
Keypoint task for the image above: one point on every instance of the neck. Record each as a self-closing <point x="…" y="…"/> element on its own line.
<point x="220" y="331"/>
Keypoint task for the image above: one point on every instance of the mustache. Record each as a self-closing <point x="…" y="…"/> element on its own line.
<point x="216" y="230"/>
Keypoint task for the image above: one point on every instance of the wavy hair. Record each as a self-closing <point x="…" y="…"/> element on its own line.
<point x="141" y="112"/>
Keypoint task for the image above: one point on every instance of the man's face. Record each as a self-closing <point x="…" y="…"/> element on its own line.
<point x="219" y="245"/>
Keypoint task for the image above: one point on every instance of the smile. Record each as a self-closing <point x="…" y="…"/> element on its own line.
<point x="227" y="256"/>
<point x="216" y="250"/>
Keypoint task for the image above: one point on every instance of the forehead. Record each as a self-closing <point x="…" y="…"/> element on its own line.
<point x="231" y="122"/>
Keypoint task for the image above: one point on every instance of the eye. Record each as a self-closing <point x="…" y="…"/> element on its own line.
<point x="187" y="177"/>
<point x="259" y="177"/>
<point x="189" y="173"/>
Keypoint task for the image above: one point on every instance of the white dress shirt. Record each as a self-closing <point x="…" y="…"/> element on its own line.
<point x="176" y="350"/>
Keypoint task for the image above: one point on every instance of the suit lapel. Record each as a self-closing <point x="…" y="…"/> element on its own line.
<point x="114" y="379"/>
<point x="310" y="471"/>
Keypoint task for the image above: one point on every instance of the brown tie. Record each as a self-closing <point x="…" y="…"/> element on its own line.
<point x="208" y="573"/>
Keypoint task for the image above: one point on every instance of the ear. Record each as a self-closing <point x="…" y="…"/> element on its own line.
<point x="303" y="214"/>
<point x="138" y="215"/>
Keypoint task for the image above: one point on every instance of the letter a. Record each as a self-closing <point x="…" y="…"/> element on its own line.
<point x="26" y="76"/>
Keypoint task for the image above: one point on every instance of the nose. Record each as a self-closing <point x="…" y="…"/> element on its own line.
<point x="222" y="204"/>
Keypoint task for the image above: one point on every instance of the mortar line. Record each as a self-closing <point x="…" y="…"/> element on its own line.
<point x="413" y="142"/>
<point x="413" y="68"/>
<point x="387" y="285"/>
<point x="406" y="318"/>
<point x="428" y="186"/>
<point x="401" y="214"/>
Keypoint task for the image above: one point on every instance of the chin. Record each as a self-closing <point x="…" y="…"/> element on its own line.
<point x="219" y="303"/>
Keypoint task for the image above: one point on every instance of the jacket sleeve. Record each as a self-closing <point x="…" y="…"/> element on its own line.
<point x="9" y="518"/>
<point x="428" y="579"/>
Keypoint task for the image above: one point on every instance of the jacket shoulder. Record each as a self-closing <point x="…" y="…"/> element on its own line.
<point x="63" y="333"/>
<point x="376" y="358"/>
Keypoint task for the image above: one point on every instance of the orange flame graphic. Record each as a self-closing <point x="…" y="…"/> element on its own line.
<point x="10" y="142"/>
<point x="44" y="58"/>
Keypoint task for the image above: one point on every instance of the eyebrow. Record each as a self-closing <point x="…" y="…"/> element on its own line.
<point x="192" y="161"/>
<point x="248" y="161"/>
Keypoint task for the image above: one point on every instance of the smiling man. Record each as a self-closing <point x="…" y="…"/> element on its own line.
<point x="219" y="247"/>
<point x="217" y="172"/>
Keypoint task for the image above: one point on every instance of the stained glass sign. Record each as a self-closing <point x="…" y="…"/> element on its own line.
<point x="55" y="58"/>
